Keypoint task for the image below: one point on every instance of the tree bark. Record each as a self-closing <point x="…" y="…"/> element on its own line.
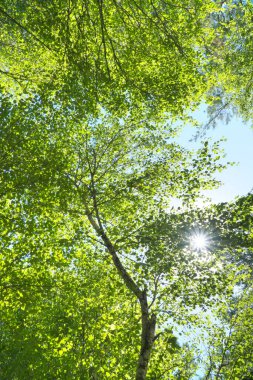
<point x="147" y="338"/>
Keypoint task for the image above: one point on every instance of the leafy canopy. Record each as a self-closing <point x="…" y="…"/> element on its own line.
<point x="94" y="260"/>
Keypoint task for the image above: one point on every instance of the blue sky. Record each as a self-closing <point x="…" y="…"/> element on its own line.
<point x="237" y="180"/>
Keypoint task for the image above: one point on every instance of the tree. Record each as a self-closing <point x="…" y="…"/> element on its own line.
<point x="106" y="178"/>
<point x="89" y="169"/>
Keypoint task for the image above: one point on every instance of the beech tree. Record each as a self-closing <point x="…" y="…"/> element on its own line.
<point x="95" y="262"/>
<point x="104" y="178"/>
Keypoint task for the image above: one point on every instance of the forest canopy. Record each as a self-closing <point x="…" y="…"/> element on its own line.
<point x="100" y="278"/>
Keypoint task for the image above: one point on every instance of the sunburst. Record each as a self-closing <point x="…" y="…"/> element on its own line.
<point x="199" y="241"/>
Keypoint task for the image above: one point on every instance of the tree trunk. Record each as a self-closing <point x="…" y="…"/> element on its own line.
<point x="147" y="338"/>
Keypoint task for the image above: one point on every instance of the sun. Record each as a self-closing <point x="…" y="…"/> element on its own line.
<point x="199" y="242"/>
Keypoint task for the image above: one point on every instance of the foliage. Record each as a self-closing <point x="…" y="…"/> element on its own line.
<point x="221" y="336"/>
<point x="231" y="54"/>
<point x="96" y="267"/>
<point x="224" y="338"/>
<point x="118" y="55"/>
<point x="61" y="172"/>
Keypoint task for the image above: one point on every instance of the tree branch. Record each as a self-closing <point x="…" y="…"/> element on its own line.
<point x="102" y="23"/>
<point x="24" y="28"/>
<point x="148" y="322"/>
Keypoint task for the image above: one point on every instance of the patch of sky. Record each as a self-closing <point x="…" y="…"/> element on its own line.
<point x="237" y="180"/>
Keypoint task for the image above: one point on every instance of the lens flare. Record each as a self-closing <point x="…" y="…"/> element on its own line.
<point x="199" y="242"/>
